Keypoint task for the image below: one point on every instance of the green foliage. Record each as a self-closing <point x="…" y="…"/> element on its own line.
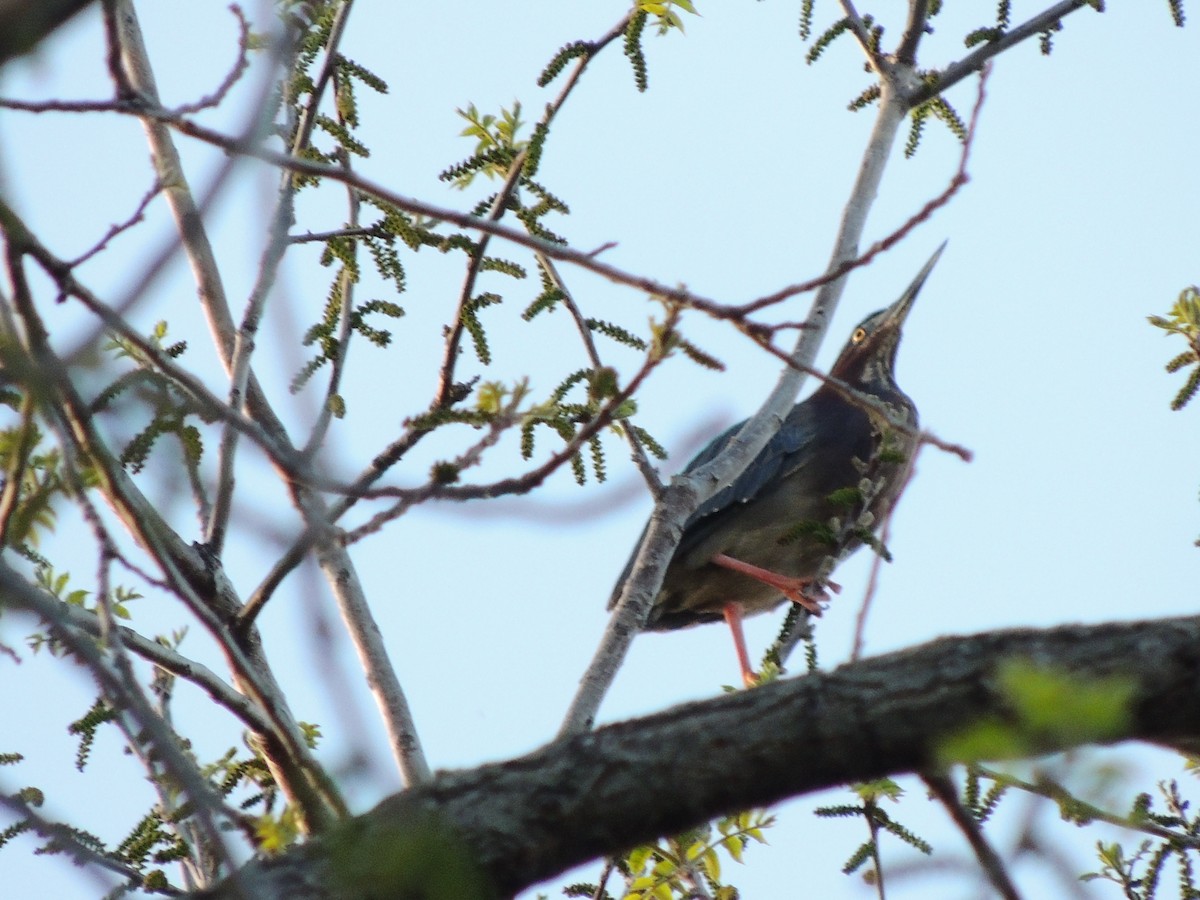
<point x="991" y="33"/>
<point x="699" y="357"/>
<point x="633" y="48"/>
<point x="58" y="584"/>
<point x="470" y="319"/>
<point x="979" y="803"/>
<point x="560" y="60"/>
<point x="1176" y="7"/>
<point x="151" y="840"/>
<point x="1046" y="38"/>
<point x="65" y="839"/>
<point x="810" y="530"/>
<point x="155" y="839"/>
<point x="274" y="833"/>
<point x="617" y="333"/>
<point x="563" y="417"/>
<point x="665" y="340"/>
<point x="531" y="216"/>
<point x="664" y="12"/>
<point x="1183" y="319"/>
<point x="549" y="297"/>
<point x="347" y="75"/>
<point x="647" y="440"/>
<point x="667" y="869"/>
<point x="845" y="498"/>
<point x="891" y="450"/>
<point x="939" y="109"/>
<point x="869" y="95"/>
<point x="867" y="808"/>
<point x="868" y="538"/>
<point x="806" y="19"/>
<point x="496" y="144"/>
<point x="826" y="38"/>
<point x="1175" y="831"/>
<point x="341" y="134"/>
<point x="326" y="333"/>
<point x="171" y="408"/>
<point x="39" y="481"/>
<point x="413" y="854"/>
<point x="1047" y="710"/>
<point x="533" y="151"/>
<point x="86" y="727"/>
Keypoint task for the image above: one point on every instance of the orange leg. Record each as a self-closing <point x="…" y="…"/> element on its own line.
<point x="733" y="615"/>
<point x="795" y="589"/>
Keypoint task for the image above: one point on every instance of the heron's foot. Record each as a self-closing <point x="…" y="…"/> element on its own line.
<point x="804" y="591"/>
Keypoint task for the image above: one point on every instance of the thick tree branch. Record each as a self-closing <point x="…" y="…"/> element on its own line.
<point x="578" y="798"/>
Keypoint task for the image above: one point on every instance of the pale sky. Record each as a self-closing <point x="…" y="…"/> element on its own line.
<point x="1029" y="344"/>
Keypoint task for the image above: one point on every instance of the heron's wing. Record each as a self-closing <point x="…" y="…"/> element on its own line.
<point x="777" y="460"/>
<point x="782" y="455"/>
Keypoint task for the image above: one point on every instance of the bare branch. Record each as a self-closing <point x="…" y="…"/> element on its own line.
<point x="973" y="62"/>
<point x="240" y="64"/>
<point x="863" y="36"/>
<point x="581" y="797"/>
<point x="914" y="30"/>
<point x="139" y="215"/>
<point x="989" y="860"/>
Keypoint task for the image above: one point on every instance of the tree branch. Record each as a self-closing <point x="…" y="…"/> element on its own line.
<point x="973" y="62"/>
<point x="526" y="820"/>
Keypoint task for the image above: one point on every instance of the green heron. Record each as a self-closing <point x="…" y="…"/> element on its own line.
<point x="815" y="491"/>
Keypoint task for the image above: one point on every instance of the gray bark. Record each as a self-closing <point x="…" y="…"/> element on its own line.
<point x="526" y="820"/>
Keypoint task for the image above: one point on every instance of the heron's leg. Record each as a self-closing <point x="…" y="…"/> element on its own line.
<point x="733" y="615"/>
<point x="798" y="590"/>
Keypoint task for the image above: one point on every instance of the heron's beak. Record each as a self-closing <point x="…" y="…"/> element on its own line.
<point x="898" y="311"/>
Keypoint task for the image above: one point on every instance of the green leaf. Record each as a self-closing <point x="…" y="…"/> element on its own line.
<point x="1048" y="710"/>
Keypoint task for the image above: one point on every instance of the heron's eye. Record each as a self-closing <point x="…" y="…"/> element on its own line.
<point x="859" y="335"/>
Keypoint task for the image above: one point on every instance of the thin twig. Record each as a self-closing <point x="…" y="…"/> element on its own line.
<point x="240" y="64"/>
<point x="139" y="215"/>
<point x="337" y="365"/>
<point x="1051" y="790"/>
<point x="993" y="866"/>
<point x="66" y="837"/>
<point x="321" y="237"/>
<point x="446" y="391"/>
<point x="520" y="484"/>
<point x="584" y="259"/>
<point x="862" y="35"/>
<point x="636" y="450"/>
